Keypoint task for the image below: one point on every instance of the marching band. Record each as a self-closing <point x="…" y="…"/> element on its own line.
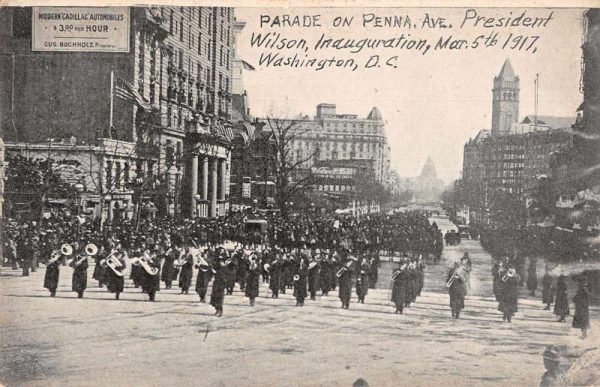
<point x="306" y="271"/>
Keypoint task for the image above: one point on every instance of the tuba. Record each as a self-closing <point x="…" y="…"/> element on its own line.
<point x="144" y="261"/>
<point x="113" y="263"/>
<point x="91" y="249"/>
<point x="66" y="249"/>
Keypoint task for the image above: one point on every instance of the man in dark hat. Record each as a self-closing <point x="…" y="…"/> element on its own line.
<point x="219" y="284"/>
<point x="552" y="365"/>
<point x="456" y="289"/>
<point x="547" y="290"/>
<point x="561" y="303"/>
<point x="79" y="263"/>
<point x="345" y="282"/>
<point x="509" y="294"/>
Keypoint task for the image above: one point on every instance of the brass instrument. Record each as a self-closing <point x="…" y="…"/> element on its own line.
<point x="144" y="261"/>
<point x="312" y="264"/>
<point x="114" y="264"/>
<point x="179" y="261"/>
<point x="296" y="278"/>
<point x="79" y="262"/>
<point x="91" y="249"/>
<point x="65" y="250"/>
<point x="397" y="272"/>
<point x="510" y="273"/>
<point x="343" y="269"/>
<point x="451" y="280"/>
<point x="253" y="262"/>
<point x="461" y="273"/>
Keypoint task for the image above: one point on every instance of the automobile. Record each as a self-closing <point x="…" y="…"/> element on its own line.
<point x="464" y="231"/>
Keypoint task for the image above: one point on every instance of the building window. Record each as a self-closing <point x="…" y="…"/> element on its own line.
<point x="126" y="173"/>
<point x="109" y="175"/>
<point x="199" y="44"/>
<point x="200" y="18"/>
<point x="21" y="22"/>
<point x="181" y="29"/>
<point x="171" y="23"/>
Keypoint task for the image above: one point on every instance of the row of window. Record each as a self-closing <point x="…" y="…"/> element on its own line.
<point x="334" y="187"/>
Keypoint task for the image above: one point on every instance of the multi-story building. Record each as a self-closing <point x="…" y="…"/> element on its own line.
<point x="332" y="136"/>
<point x="505" y="102"/>
<point x="575" y="170"/>
<point x="512" y="156"/>
<point x="168" y="99"/>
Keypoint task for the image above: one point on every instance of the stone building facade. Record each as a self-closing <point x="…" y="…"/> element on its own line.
<point x="333" y="136"/>
<point x="512" y="156"/>
<point x="168" y="98"/>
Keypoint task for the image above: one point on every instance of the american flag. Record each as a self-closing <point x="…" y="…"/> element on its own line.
<point x="224" y="132"/>
<point x="126" y="91"/>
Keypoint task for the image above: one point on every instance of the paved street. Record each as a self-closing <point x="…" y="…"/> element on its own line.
<point x="177" y="341"/>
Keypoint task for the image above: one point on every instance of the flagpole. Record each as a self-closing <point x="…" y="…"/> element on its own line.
<point x="112" y="86"/>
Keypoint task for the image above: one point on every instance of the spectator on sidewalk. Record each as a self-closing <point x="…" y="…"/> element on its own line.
<point x="581" y="318"/>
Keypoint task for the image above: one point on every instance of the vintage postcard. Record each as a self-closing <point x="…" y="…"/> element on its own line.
<point x="299" y="194"/>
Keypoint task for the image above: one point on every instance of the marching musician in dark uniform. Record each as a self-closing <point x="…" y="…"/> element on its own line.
<point x="187" y="270"/>
<point x="241" y="270"/>
<point x="79" y="263"/>
<point x="509" y="294"/>
<point x="267" y="257"/>
<point x="115" y="279"/>
<point x="25" y="254"/>
<point x="136" y="270"/>
<point x="231" y="270"/>
<point x="53" y="272"/>
<point x="274" y="269"/>
<point x="547" y="290"/>
<point x="253" y="278"/>
<point x="150" y="282"/>
<point x="375" y="263"/>
<point x="99" y="272"/>
<point x="561" y="303"/>
<point x="287" y="273"/>
<point x="300" y="279"/>
<point x="313" y="276"/>
<point x="169" y="270"/>
<point x="325" y="275"/>
<point x="532" y="276"/>
<point x="219" y="284"/>
<point x="362" y="280"/>
<point x="400" y="286"/>
<point x="345" y="283"/>
<point x="205" y="273"/>
<point x="456" y="290"/>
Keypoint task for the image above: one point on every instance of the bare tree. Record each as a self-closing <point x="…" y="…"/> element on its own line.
<point x="288" y="179"/>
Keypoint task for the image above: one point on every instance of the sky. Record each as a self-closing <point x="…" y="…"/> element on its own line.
<point x="433" y="103"/>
